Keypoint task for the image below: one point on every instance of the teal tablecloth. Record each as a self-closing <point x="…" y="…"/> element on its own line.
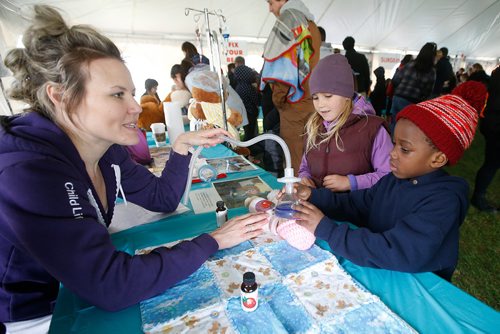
<point x="427" y="302"/>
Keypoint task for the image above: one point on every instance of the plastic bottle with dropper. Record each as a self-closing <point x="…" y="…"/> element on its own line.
<point x="284" y="207"/>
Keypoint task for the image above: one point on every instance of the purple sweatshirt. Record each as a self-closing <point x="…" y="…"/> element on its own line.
<point x="53" y="227"/>
<point x="382" y="146"/>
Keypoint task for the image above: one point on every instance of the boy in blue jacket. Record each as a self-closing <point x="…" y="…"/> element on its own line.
<point x="409" y="221"/>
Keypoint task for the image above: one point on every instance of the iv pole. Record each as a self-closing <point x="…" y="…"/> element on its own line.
<point x="213" y="43"/>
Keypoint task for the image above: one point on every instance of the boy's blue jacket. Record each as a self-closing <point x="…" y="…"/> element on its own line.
<point x="409" y="225"/>
<point x="53" y="227"/>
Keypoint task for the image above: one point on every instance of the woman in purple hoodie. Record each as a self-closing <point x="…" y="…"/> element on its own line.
<point x="62" y="166"/>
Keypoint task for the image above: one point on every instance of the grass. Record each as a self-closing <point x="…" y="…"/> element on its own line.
<point x="478" y="264"/>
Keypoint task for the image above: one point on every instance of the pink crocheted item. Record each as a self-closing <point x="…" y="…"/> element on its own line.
<point x="296" y="235"/>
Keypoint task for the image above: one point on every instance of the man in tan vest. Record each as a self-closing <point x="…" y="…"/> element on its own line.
<point x="294" y="41"/>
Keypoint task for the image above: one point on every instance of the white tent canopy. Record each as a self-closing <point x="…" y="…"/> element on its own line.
<point x="469" y="27"/>
<point x="150" y="32"/>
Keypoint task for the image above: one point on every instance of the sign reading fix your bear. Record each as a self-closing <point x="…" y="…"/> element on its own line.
<point x="235" y="49"/>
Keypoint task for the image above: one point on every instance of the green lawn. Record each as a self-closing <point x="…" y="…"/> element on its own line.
<point x="478" y="264"/>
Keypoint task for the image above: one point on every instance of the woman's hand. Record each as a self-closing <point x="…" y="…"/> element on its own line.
<point x="205" y="138"/>
<point x="336" y="182"/>
<point x="240" y="229"/>
<point x="308" y="215"/>
<point x="307" y="182"/>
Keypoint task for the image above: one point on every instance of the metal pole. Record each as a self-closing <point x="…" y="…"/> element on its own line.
<point x="7" y="99"/>
<point x="221" y="86"/>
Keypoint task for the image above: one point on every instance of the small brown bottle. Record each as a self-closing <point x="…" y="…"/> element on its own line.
<point x="249" y="292"/>
<point x="220" y="213"/>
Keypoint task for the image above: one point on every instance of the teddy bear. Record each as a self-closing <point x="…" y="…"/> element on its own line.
<point x="206" y="104"/>
<point x="207" y="107"/>
<point x="152" y="112"/>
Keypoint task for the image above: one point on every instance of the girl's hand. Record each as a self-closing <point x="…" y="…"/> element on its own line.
<point x="308" y="215"/>
<point x="205" y="138"/>
<point x="307" y="182"/>
<point x="240" y="229"/>
<point x="336" y="182"/>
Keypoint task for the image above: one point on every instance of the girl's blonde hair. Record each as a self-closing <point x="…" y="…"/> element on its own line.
<point x="313" y="128"/>
<point x="58" y="55"/>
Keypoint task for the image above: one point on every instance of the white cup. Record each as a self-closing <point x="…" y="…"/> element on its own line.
<point x="159" y="134"/>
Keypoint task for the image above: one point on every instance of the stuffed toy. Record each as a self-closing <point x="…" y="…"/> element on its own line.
<point x="295" y="234"/>
<point x="151" y="112"/>
<point x="206" y="106"/>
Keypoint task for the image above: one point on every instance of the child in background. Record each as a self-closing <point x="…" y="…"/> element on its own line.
<point x="344" y="150"/>
<point x="409" y="221"/>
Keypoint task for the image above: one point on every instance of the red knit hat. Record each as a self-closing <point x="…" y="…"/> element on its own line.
<point x="449" y="121"/>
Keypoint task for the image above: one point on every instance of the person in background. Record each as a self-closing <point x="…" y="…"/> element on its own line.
<point x="191" y="54"/>
<point x="140" y="152"/>
<point x="287" y="65"/>
<point x="445" y="77"/>
<point x="408" y="221"/>
<point x="359" y="65"/>
<point x="150" y="104"/>
<point x="390" y="87"/>
<point x="326" y="48"/>
<point x="230" y="75"/>
<point x="460" y="71"/>
<point x="344" y="151"/>
<point x="463" y="78"/>
<point x="490" y="128"/>
<point x="179" y="93"/>
<point x="245" y="81"/>
<point x="477" y="73"/>
<point x="62" y="167"/>
<point x="151" y="86"/>
<point x="273" y="153"/>
<point x="378" y="95"/>
<point x="414" y="82"/>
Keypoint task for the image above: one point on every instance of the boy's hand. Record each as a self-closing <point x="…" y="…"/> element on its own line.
<point x="308" y="215"/>
<point x="336" y="182"/>
<point x="303" y="192"/>
<point x="307" y="182"/>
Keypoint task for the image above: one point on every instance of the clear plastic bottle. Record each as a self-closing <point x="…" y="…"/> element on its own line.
<point x="249" y="292"/>
<point x="284" y="207"/>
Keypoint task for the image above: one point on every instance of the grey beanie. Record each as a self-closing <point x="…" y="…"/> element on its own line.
<point x="333" y="75"/>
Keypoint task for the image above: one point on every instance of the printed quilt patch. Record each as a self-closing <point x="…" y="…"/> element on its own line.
<point x="195" y="292"/>
<point x="299" y="292"/>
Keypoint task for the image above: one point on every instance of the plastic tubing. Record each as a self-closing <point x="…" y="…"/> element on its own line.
<point x="288" y="159"/>
<point x="196" y="153"/>
<point x="289" y="179"/>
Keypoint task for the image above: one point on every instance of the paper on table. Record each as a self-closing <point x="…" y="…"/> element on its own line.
<point x="130" y="215"/>
<point x="204" y="200"/>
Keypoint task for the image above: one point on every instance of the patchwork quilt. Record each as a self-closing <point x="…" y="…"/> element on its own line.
<point x="299" y="292"/>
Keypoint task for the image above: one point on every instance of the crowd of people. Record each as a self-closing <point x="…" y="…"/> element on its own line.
<point x="67" y="158"/>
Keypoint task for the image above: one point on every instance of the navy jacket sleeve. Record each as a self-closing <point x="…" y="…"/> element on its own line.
<point x="353" y="207"/>
<point x="411" y="245"/>
<point x="50" y="218"/>
<point x="161" y="194"/>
